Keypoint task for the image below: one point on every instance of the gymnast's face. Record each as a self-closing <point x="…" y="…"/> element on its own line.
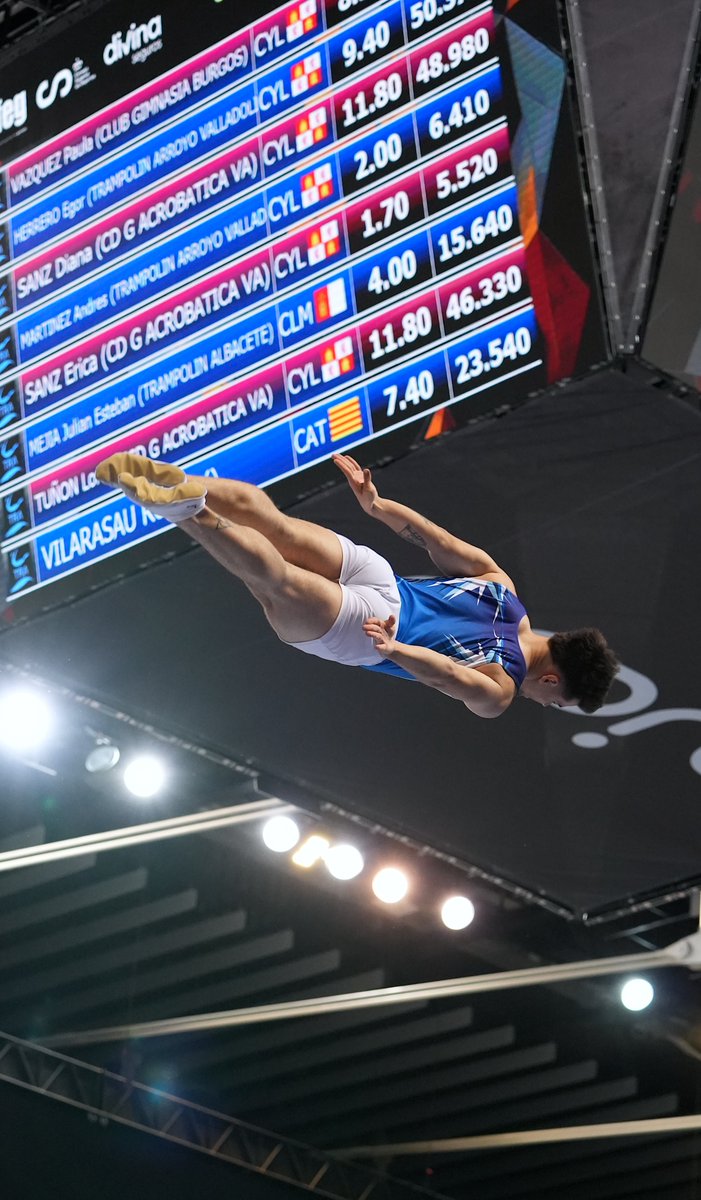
<point x="547" y="691"/>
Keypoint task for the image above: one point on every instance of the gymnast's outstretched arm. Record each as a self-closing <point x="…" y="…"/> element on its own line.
<point x="451" y="555"/>
<point x="487" y="690"/>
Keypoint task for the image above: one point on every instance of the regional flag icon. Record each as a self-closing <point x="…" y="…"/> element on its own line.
<point x="323" y="242"/>
<point x="303" y="18"/>
<point x="312" y="128"/>
<point x="330" y="300"/>
<point x="345" y="419"/>
<point x="317" y="185"/>
<point x="337" y="359"/>
<point x="306" y="74"/>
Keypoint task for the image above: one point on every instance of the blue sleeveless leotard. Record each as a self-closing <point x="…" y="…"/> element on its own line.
<point x="471" y="621"/>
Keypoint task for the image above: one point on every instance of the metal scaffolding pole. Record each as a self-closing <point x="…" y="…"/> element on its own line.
<point x="593" y="162"/>
<point x="686" y="952"/>
<point x="668" y="167"/>
<point x="528" y="1137"/>
<point x="115" y="1098"/>
<point x="135" y="835"/>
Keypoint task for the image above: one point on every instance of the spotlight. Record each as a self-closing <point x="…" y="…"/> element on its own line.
<point x="144" y="776"/>
<point x="636" y="994"/>
<point x="280" y="834"/>
<point x="26" y="720"/>
<point x="390" y="885"/>
<point x="457" y="912"/>
<point x="102" y="757"/>
<point x="344" y="861"/>
<point x="311" y="851"/>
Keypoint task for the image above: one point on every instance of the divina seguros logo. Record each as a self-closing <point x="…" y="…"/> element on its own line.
<point x="137" y="43"/>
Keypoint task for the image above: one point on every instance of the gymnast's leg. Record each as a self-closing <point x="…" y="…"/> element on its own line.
<point x="300" y="543"/>
<point x="300" y="604"/>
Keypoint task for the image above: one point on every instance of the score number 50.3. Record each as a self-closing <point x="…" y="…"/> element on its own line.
<point x="424" y="11"/>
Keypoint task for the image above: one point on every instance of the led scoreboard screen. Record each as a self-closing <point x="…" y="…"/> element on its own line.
<point x="242" y="249"/>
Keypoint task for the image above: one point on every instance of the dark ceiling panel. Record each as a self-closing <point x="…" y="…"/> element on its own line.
<point x="128" y="955"/>
<point x="73" y="901"/>
<point x="400" y="1035"/>
<point x="20" y="881"/>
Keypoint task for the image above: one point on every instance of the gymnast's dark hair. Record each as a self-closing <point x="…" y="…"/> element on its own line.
<point x="587" y="663"/>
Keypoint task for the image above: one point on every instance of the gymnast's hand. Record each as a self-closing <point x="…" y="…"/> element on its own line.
<point x="360" y="481"/>
<point x="382" y="634"/>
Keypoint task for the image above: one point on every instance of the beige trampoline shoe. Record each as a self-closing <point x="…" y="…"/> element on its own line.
<point x="178" y="503"/>
<point x="159" y="487"/>
<point x="109" y="470"/>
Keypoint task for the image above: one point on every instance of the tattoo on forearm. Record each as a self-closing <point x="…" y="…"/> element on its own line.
<point x="412" y="535"/>
<point x="222" y="523"/>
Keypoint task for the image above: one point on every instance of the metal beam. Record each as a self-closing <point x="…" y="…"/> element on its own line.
<point x="389" y="1090"/>
<point x="111" y="1096"/>
<point x="221" y="960"/>
<point x="593" y="162"/>
<point x="528" y="1137"/>
<point x="40" y="6"/>
<point x="39" y="948"/>
<point x="73" y="902"/>
<point x="23" y="881"/>
<point x="670" y="164"/>
<point x="686" y="952"/>
<point x="307" y="1060"/>
<point x="150" y="948"/>
<point x="136" y="835"/>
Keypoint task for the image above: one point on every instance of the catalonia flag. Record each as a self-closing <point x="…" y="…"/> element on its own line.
<point x="345" y="419"/>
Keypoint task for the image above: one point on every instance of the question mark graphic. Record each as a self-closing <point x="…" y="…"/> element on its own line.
<point x="643" y="693"/>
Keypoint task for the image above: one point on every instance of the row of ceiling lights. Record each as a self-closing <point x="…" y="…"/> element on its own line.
<point x="27" y="720"/>
<point x="343" y="861"/>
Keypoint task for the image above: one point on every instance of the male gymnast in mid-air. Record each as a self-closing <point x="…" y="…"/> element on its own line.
<point x="464" y="633"/>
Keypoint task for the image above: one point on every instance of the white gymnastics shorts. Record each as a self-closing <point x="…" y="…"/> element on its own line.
<point x="369" y="590"/>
